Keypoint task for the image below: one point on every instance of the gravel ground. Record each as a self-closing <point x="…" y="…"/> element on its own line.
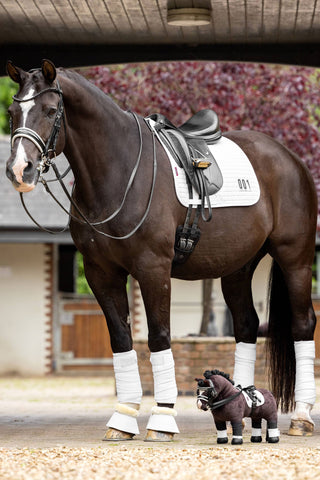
<point x="52" y="428"/>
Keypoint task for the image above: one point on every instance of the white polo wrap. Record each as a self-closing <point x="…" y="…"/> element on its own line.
<point x="165" y="387"/>
<point x="245" y="358"/>
<point x="305" y="388"/>
<point x="128" y="384"/>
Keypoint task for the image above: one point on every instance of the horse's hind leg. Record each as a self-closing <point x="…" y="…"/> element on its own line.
<point x="238" y="296"/>
<point x="293" y="346"/>
<point x="291" y="326"/>
<point x="110" y="291"/>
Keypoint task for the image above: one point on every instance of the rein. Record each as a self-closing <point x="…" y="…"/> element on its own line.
<point x="213" y="405"/>
<point x="224" y="401"/>
<point x="44" y="167"/>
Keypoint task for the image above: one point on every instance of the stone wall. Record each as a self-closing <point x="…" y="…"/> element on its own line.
<point x="194" y="355"/>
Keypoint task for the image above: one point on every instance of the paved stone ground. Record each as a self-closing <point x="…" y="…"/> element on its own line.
<point x="72" y="412"/>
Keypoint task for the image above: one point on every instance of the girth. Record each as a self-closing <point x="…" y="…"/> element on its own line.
<point x="188" y="145"/>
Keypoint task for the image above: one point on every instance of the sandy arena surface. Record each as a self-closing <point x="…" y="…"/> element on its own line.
<point x="52" y="428"/>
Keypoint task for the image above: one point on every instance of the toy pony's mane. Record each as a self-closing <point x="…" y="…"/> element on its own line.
<point x="208" y="373"/>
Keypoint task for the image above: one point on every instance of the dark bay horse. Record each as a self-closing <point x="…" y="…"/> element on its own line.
<point x="124" y="219"/>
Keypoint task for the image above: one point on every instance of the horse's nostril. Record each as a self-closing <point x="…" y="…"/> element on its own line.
<point x="29" y="167"/>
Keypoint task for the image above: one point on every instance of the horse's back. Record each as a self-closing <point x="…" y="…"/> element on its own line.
<point x="285" y="178"/>
<point x="278" y="169"/>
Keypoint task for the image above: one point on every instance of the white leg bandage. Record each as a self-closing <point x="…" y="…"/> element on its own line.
<point x="245" y="358"/>
<point x="129" y="392"/>
<point x="127" y="376"/>
<point x="162" y="419"/>
<point x="305" y="389"/>
<point x="165" y="387"/>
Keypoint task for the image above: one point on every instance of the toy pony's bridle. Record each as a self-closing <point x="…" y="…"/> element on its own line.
<point x="47" y="149"/>
<point x="207" y="395"/>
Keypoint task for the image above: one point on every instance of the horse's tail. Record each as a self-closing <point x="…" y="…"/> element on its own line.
<point x="280" y="343"/>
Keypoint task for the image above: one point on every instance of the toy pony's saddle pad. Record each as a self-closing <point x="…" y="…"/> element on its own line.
<point x="259" y="397"/>
<point x="240" y="185"/>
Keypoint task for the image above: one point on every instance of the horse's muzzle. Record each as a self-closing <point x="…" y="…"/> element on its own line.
<point x="23" y="185"/>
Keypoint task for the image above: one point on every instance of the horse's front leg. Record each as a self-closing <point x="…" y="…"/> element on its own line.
<point x="110" y="291"/>
<point x="155" y="285"/>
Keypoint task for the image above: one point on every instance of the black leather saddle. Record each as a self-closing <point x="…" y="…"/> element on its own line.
<point x="188" y="145"/>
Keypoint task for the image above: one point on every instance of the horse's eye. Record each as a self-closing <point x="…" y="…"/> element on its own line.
<point x="51" y="112"/>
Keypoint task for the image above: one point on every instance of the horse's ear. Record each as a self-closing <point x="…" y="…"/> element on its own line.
<point x="15" y="73"/>
<point x="48" y="70"/>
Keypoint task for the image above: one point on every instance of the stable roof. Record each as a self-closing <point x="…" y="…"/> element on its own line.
<point x="88" y="32"/>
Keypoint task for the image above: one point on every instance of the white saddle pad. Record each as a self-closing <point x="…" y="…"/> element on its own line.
<point x="240" y="185"/>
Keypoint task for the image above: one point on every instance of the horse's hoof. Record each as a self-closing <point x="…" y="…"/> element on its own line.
<point x="116" y="435"/>
<point x="256" y="439"/>
<point x="222" y="440"/>
<point x="272" y="439"/>
<point x="237" y="441"/>
<point x="155" y="436"/>
<point x="301" y="428"/>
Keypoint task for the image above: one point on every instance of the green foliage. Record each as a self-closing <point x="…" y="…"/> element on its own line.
<point x="82" y="286"/>
<point x="7" y="89"/>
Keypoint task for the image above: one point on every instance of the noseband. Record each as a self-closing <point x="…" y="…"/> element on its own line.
<point x="47" y="149"/>
<point x="209" y="395"/>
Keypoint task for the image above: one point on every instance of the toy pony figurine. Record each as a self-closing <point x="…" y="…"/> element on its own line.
<point x="229" y="403"/>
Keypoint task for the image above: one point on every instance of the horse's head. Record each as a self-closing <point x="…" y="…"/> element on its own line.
<point x="210" y="387"/>
<point x="206" y="393"/>
<point x="35" y="117"/>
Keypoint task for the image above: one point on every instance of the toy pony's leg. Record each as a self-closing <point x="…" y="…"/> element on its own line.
<point x="256" y="431"/>
<point x="273" y="433"/>
<point x="236" y="433"/>
<point x="123" y="423"/>
<point x="222" y="436"/>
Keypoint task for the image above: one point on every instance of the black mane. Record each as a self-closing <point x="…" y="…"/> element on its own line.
<point x="208" y="373"/>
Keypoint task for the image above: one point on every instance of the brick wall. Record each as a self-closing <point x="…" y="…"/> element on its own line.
<point x="194" y="355"/>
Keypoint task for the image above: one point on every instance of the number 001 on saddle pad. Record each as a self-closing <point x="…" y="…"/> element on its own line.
<point x="240" y="185"/>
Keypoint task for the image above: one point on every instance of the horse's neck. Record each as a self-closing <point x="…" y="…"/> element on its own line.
<point x="224" y="387"/>
<point x="94" y="125"/>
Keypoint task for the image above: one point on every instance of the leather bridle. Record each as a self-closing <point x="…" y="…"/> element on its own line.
<point x="47" y="149"/>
